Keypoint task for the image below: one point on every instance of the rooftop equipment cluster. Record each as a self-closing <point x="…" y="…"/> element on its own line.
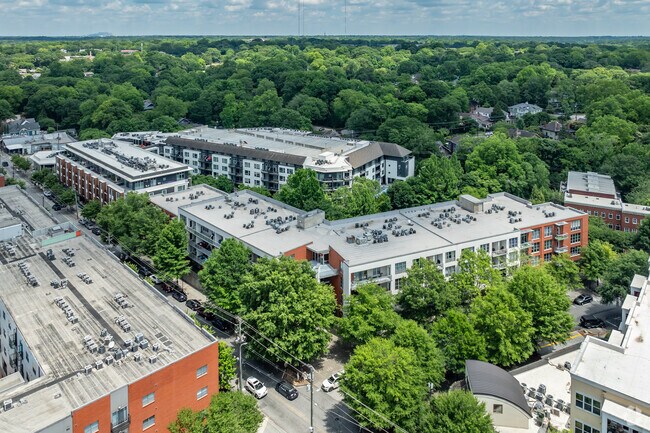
<point x="146" y="163"/>
<point x="31" y="279"/>
<point x="63" y="305"/>
<point x="449" y="216"/>
<point x="495" y="208"/>
<point x="121" y="300"/>
<point x="9" y="249"/>
<point x="514" y="216"/>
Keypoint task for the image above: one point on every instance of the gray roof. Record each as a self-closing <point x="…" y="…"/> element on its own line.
<point x="554" y="126"/>
<point x="484" y="378"/>
<point x="590" y="182"/>
<point x="231" y="149"/>
<point x="28" y="124"/>
<point x="375" y="150"/>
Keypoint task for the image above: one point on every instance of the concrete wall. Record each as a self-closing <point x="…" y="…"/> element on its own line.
<point x="11" y="232"/>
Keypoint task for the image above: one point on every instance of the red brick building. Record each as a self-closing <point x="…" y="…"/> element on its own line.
<point x="596" y="195"/>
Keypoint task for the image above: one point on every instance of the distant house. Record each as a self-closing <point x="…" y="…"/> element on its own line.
<point x="520" y="133"/>
<point x="148" y="105"/>
<point x="23" y="126"/>
<point x="451" y="144"/>
<point x="481" y="115"/>
<point x="519" y="110"/>
<point x="551" y="130"/>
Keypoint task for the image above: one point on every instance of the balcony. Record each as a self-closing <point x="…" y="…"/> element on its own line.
<point x="121" y="426"/>
<point x="560" y="250"/>
<point x="500" y="252"/>
<point x="561" y="236"/>
<point x="525" y="245"/>
<point x="380" y="279"/>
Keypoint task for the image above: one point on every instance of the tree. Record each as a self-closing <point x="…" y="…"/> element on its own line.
<point x="643" y="235"/>
<point x="368" y="312"/>
<point x="20" y="162"/>
<point x="564" y="270"/>
<point x="229" y="412"/>
<point x="91" y="209"/>
<point x="170" y="256"/>
<point x="545" y="299"/>
<point x="227" y="365"/>
<point x="402" y="195"/>
<point x="456" y="412"/>
<point x="222" y="182"/>
<point x="595" y="259"/>
<point x="363" y="198"/>
<point x="283" y="300"/>
<point x="425" y="294"/>
<point x="619" y="275"/>
<point x="223" y="274"/>
<point x="438" y="179"/>
<point x="6" y="112"/>
<point x="109" y="110"/>
<point x="458" y="340"/>
<point x="383" y="378"/>
<point x="475" y="275"/>
<point x="412" y="336"/>
<point x="66" y="197"/>
<point x="170" y="106"/>
<point x="302" y="190"/>
<point x="506" y="327"/>
<point x="619" y="240"/>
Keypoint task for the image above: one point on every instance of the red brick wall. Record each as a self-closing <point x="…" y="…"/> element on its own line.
<point x="2" y="181"/>
<point x="564" y="229"/>
<point x="174" y="388"/>
<point x="98" y="410"/>
<point x="617" y="219"/>
<point x="335" y="262"/>
<point x="299" y="253"/>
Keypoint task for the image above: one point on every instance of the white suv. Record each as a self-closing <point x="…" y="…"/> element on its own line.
<point x="332" y="382"/>
<point x="256" y="387"/>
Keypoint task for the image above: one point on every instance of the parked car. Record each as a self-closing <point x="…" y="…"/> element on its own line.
<point x="332" y="382"/>
<point x="155" y="279"/>
<point x="255" y="387"/>
<point x="142" y="270"/>
<point x="591" y="322"/>
<point x="179" y="296"/>
<point x="96" y="231"/>
<point x="47" y="193"/>
<point x="287" y="390"/>
<point x="5" y="164"/>
<point x="193" y="304"/>
<point x="57" y="207"/>
<point x="583" y="299"/>
<point x="167" y="287"/>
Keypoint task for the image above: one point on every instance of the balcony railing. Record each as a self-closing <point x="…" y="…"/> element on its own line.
<point x="499" y="252"/>
<point x="560" y="250"/>
<point x="561" y="236"/>
<point x="121" y="426"/>
<point x="525" y="245"/>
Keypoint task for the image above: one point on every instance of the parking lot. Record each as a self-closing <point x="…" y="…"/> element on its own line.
<point x="610" y="314"/>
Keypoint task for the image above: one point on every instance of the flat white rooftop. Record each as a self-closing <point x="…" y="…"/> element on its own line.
<point x="621" y="365"/>
<point x="170" y="202"/>
<point x="18" y="203"/>
<point x="59" y="346"/>
<point x="590" y="182"/>
<point x="605" y="203"/>
<point x="124" y="159"/>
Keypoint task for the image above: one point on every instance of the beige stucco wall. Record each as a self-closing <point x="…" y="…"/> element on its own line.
<point x="512" y="416"/>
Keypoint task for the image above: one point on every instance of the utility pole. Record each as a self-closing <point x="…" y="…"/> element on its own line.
<point x="311" y="398"/>
<point x="241" y="340"/>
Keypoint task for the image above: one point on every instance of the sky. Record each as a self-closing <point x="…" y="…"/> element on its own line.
<point x="326" y="17"/>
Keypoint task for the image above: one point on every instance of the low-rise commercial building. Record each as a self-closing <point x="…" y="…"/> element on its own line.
<point x="108" y="169"/>
<point x="85" y="346"/>
<point x="610" y="380"/>
<point x="30" y="144"/>
<point x="380" y="248"/>
<point x="266" y="157"/>
<point x="596" y="195"/>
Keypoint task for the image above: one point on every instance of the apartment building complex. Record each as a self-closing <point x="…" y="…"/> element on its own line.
<point x="267" y="157"/>
<point x="596" y="195"/>
<point x="380" y="248"/>
<point x="108" y="169"/>
<point x="87" y="347"/>
<point x="610" y="380"/>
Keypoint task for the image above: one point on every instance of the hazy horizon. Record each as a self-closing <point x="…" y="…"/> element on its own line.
<point x="515" y="18"/>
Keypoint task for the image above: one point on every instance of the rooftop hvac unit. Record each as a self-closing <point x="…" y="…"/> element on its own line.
<point x="128" y="343"/>
<point x="153" y="359"/>
<point x="155" y="347"/>
<point x="99" y="365"/>
<point x="144" y="344"/>
<point x="137" y="357"/>
<point x="109" y="360"/>
<point x="139" y="337"/>
<point x="7" y="404"/>
<point x="88" y="369"/>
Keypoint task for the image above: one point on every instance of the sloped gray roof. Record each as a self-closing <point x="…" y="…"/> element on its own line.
<point x="484" y="378"/>
<point x="231" y="149"/>
<point x="375" y="150"/>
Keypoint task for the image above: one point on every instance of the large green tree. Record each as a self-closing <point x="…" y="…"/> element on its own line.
<point x="91" y="209"/>
<point x="368" y="312"/>
<point x="458" y="340"/>
<point x="223" y="274"/>
<point x="385" y="384"/>
<point x="456" y="412"/>
<point x="545" y="299"/>
<point x="283" y="300"/>
<point x="410" y="335"/>
<point x="229" y="412"/>
<point x="564" y="270"/>
<point x="475" y="275"/>
<point x="363" y="198"/>
<point x="619" y="275"/>
<point x="170" y="257"/>
<point x="302" y="190"/>
<point x="227" y="365"/>
<point x="425" y="294"/>
<point x="595" y="259"/>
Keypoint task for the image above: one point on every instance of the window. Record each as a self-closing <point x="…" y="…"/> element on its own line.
<point x="535" y="247"/>
<point x="575" y="238"/>
<point x="450" y="270"/>
<point x="584" y="428"/>
<point x="634" y="220"/>
<point x="513" y="242"/>
<point x="400" y="267"/>
<point x="627" y="219"/>
<point x="587" y="403"/>
<point x="224" y="168"/>
<point x="224" y="160"/>
<point x="450" y="256"/>
<point x="148" y="399"/>
<point x="486" y="247"/>
<point x="202" y="371"/>
<point x="201" y="393"/>
<point x="618" y="217"/>
<point x="281" y="170"/>
<point x="548" y="244"/>
<point x="589" y="212"/>
<point x="575" y="225"/>
<point x="602" y="214"/>
<point x="534" y="260"/>
<point x="247" y="172"/>
<point x="256" y="166"/>
<point x="548" y="257"/>
<point x="92" y="428"/>
<point x="610" y="215"/>
<point x="548" y="231"/>
<point x="148" y="422"/>
<point x="438" y="259"/>
<point x="575" y="251"/>
<point x="536" y="234"/>
<point x="497" y="408"/>
<point x="247" y="164"/>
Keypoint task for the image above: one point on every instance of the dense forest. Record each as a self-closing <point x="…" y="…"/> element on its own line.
<point x="409" y="91"/>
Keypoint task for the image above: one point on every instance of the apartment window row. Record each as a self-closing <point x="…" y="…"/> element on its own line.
<point x="587" y="403"/>
<point x="575" y="225"/>
<point x="575" y="238"/>
<point x="581" y="427"/>
<point x="548" y="244"/>
<point x="536" y="233"/>
<point x="548" y="231"/>
<point x="535" y="248"/>
<point x="575" y="251"/>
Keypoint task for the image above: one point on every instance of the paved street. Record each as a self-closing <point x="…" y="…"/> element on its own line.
<point x="609" y="313"/>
